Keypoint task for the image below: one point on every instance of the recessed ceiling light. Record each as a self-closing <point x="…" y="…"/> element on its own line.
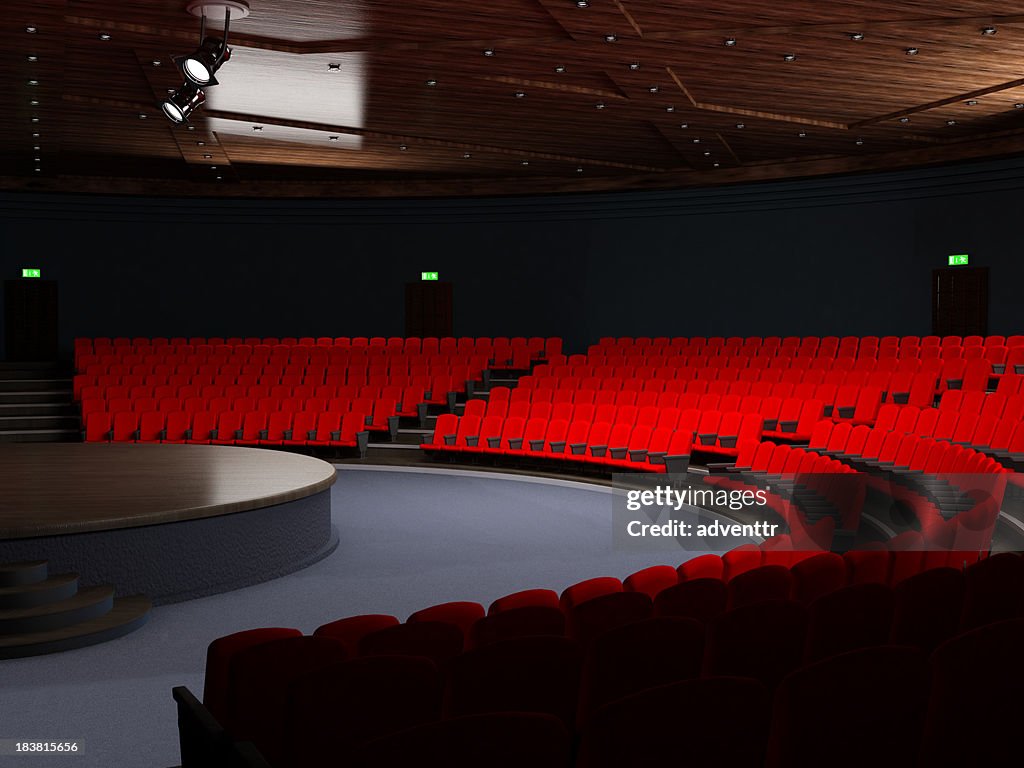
<point x="971" y="102"/>
<point x="257" y="128"/>
<point x="431" y="82"/>
<point x="37" y="170"/>
<point x="653" y="89"/>
<point x="789" y="57"/>
<point x="191" y="127"/>
<point x="696" y="140"/>
<point x="35" y="148"/>
<point x="707" y="154"/>
<point x="911" y="51"/>
<point x="579" y="169"/>
<point x="488" y="51"/>
<point x="220" y="178"/>
<point x="730" y="41"/>
<point x="526" y="162"/>
<point x="35" y="119"/>
<point x="904" y="119"/>
<point x="717" y="165"/>
<point x="34" y="102"/>
<point x="560" y="69"/>
<point x="951" y="122"/>
<point x="207" y="157"/>
<point x="1019" y="105"/>
<point x="31" y="30"/>
<point x="156" y="62"/>
<point x="170" y="90"/>
<point x="35" y="135"/>
<point x="213" y="167"/>
<point x="33" y="57"/>
<point x="466" y="155"/>
<point x="33" y="82"/>
<point x="859" y="142"/>
<point x="988" y="31"/>
<point x="142" y="115"/>
<point x="802" y="134"/>
<point x="610" y="38"/>
<point x="333" y="66"/>
<point x="582" y="3"/>
<point x="857" y="36"/>
<point x="599" y="105"/>
<point x="520" y="94"/>
<point x="402" y="147"/>
<point x="200" y="143"/>
<point x="670" y="108"/>
<point x="635" y="66"/>
<point x="684" y="126"/>
<point x="104" y="36"/>
<point x="741" y="126"/>
<point x="333" y="138"/>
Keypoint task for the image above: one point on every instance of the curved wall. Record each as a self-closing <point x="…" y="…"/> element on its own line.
<point x="846" y="255"/>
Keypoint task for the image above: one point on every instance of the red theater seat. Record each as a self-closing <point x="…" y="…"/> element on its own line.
<point x="351" y="630"/>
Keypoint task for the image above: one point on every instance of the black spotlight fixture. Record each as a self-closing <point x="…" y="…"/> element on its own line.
<point x="182" y="103"/>
<point x="200" y="67"/>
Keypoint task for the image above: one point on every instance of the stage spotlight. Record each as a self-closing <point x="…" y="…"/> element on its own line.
<point x="201" y="66"/>
<point x="182" y="103"/>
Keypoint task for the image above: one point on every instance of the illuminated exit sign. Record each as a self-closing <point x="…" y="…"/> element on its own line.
<point x="959" y="260"/>
<point x="428" y="275"/>
<point x="31" y="272"/>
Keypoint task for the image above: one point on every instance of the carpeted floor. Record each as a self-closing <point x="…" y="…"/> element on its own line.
<point x="409" y="539"/>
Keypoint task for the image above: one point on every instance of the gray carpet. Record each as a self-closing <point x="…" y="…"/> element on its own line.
<point x="409" y="539"/>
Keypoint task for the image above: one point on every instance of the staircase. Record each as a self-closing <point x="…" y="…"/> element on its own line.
<point x="41" y="614"/>
<point x="36" y="404"/>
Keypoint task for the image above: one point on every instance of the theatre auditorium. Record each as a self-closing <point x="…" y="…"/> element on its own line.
<point x="547" y="383"/>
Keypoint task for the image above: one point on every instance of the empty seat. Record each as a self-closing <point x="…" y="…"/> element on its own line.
<point x="767" y="582"/>
<point x="763" y="641"/>
<point x="349" y="631"/>
<point x="525" y="598"/>
<point x="692" y="722"/>
<point x="638" y="656"/>
<point x="591" y="618"/>
<point x="528" y="674"/>
<point x="526" y="621"/>
<point x="927" y="608"/>
<point x="853" y="709"/>
<point x="335" y="710"/>
<point x="495" y="740"/>
<point x="588" y="590"/>
<point x="461" y="614"/>
<point x="854" y="617"/>
<point x="434" y="640"/>
<point x="818" y="575"/>
<point x="994" y="590"/>
<point x="651" y="580"/>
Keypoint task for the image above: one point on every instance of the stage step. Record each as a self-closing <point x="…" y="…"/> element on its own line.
<point x="41" y="614"/>
<point x="126" y="615"/>
<point x="63" y="586"/>
<point x="33" y="385"/>
<point x="86" y="605"/>
<point x="38" y="421"/>
<point x="22" y="574"/>
<point x="49" y="370"/>
<point x="40" y="436"/>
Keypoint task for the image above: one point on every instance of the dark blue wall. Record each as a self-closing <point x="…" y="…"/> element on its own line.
<point x="849" y="255"/>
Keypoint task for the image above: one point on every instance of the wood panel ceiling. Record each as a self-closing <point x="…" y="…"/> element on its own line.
<point x="447" y="97"/>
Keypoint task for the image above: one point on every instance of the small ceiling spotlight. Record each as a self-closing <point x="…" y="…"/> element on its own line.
<point x="33" y="57"/>
<point x="904" y="120"/>
<point x="670" y="108"/>
<point x="200" y="67"/>
<point x="104" y="36"/>
<point x="635" y="66"/>
<point x="560" y="70"/>
<point x="31" y="29"/>
<point x="971" y="102"/>
<point x="789" y="57"/>
<point x="488" y="52"/>
<point x="696" y="140"/>
<point x="802" y="135"/>
<point x="403" y="147"/>
<point x="653" y="89"/>
<point x="859" y="142"/>
<point x="741" y="126"/>
<point x="610" y="38"/>
<point x="333" y="66"/>
<point x="525" y="162"/>
<point x="466" y="155"/>
<point x="730" y="42"/>
<point x="717" y="165"/>
<point x="431" y="83"/>
<point x="707" y="154"/>
<point x="599" y="105"/>
<point x="951" y="123"/>
<point x="857" y="36"/>
<point x="182" y="103"/>
<point x="684" y="126"/>
<point x="520" y="94"/>
<point x="582" y="3"/>
<point x="988" y="31"/>
<point x="333" y="138"/>
<point x="257" y="129"/>
<point x="1019" y="105"/>
<point x="911" y="51"/>
<point x="33" y="82"/>
<point x="579" y="169"/>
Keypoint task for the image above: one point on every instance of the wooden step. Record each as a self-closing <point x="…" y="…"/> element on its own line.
<point x="20" y="574"/>
<point x="126" y="615"/>
<point x="63" y="586"/>
<point x="86" y="605"/>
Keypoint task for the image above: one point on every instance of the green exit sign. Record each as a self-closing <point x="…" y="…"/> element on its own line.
<point x="959" y="260"/>
<point x="428" y="275"/>
<point x="31" y="272"/>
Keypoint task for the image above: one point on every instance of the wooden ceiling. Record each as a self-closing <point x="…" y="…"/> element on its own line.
<point x="524" y="96"/>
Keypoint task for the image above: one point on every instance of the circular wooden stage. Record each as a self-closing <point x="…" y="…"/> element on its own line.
<point x="170" y="521"/>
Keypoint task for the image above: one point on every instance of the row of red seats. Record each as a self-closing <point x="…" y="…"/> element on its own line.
<point x="588" y="658"/>
<point x="1001" y="436"/>
<point x="322" y="429"/>
<point x="807" y="342"/>
<point x="768" y="358"/>
<point x="193" y="364"/>
<point x="110" y="386"/>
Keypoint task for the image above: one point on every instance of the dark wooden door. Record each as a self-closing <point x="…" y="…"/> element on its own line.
<point x="429" y="309"/>
<point x="30" y="319"/>
<point x="960" y="301"/>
